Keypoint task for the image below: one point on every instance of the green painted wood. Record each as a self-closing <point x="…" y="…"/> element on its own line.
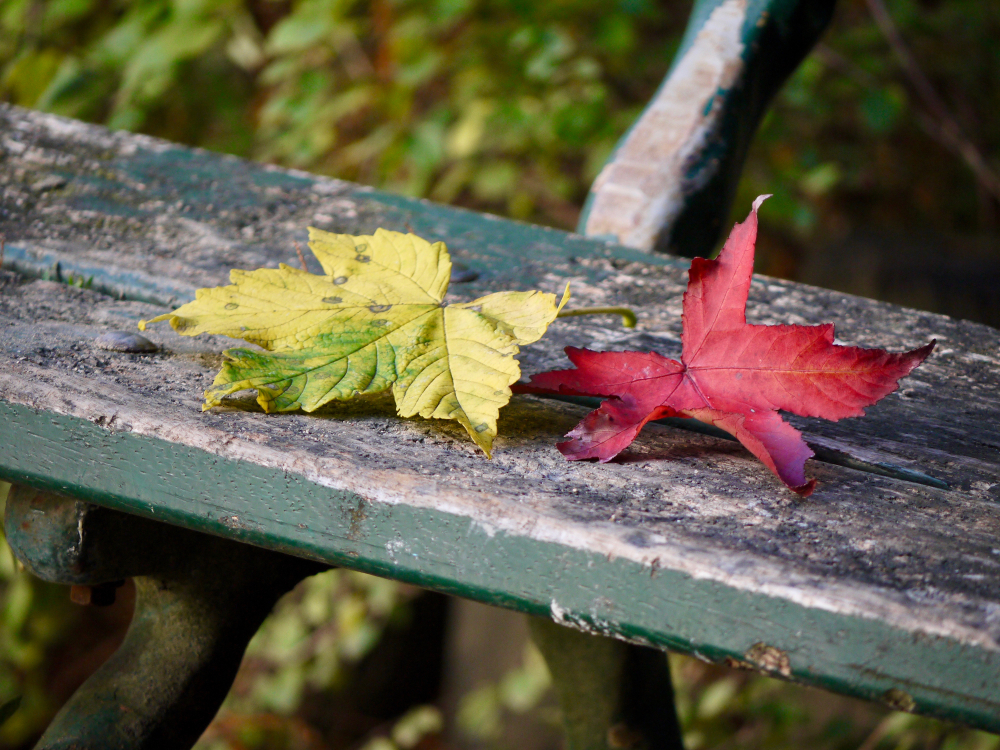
<point x="149" y="220"/>
<point x="456" y="555"/>
<point x="670" y="183"/>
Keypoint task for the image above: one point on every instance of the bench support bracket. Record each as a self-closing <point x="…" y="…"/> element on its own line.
<point x="199" y="600"/>
<point x="612" y="694"/>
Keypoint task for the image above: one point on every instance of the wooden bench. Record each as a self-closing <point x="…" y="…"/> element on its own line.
<point x="882" y="585"/>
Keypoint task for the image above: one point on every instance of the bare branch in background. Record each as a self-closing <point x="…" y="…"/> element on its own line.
<point x="833" y="59"/>
<point x="939" y="123"/>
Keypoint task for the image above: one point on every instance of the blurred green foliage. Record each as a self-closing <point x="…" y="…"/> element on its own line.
<point x="849" y="142"/>
<point x="511" y="106"/>
<point x="524" y="689"/>
<point x="721" y="708"/>
<point x="305" y="648"/>
<point x="503" y="104"/>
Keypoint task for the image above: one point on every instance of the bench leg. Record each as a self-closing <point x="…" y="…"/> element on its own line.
<point x="199" y="600"/>
<point x="612" y="694"/>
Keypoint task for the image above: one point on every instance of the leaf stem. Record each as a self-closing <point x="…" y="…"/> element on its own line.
<point x="628" y="317"/>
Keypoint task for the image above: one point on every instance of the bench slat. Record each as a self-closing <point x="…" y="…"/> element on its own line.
<point x="135" y="218"/>
<point x="873" y="586"/>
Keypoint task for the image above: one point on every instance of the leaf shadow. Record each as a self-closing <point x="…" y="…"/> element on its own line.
<point x="723" y="448"/>
<point x="359" y="407"/>
<point x="532" y="420"/>
<point x="524" y="421"/>
<point x="378" y="405"/>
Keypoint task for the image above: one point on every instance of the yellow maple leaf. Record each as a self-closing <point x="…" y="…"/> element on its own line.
<point x="375" y="321"/>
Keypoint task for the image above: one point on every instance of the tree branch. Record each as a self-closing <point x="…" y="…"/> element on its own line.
<point x="940" y="123"/>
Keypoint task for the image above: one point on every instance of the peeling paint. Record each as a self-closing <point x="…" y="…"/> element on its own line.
<point x="733" y="663"/>
<point x="597" y="626"/>
<point x="559" y="614"/>
<point x="487" y="528"/>
<point x="393" y="547"/>
<point x="769" y="658"/>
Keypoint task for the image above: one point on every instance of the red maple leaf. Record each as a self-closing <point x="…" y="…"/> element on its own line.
<point x="732" y="374"/>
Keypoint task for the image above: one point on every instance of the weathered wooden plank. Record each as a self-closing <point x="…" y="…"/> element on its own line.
<point x="134" y="213"/>
<point x="870" y="586"/>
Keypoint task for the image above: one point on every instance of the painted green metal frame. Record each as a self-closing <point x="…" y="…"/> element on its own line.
<point x="199" y="601"/>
